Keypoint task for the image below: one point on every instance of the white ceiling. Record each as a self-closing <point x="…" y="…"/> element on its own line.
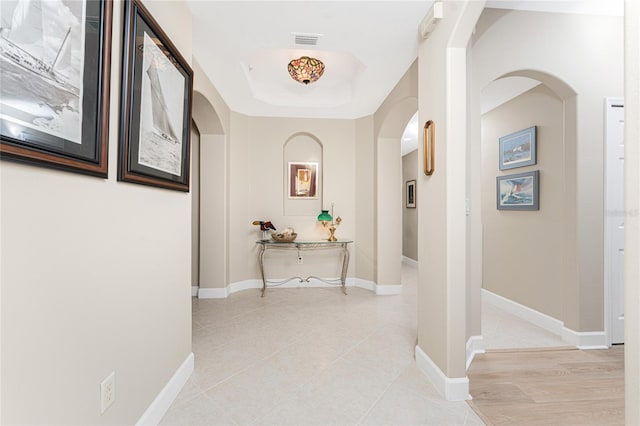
<point x="367" y="46"/>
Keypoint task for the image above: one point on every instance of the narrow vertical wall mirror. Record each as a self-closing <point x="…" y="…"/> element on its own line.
<point x="428" y="147"/>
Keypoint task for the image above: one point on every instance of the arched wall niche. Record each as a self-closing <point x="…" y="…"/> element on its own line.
<point x="302" y="175"/>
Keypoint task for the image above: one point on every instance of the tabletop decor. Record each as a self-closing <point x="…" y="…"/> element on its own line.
<point x="327" y="219"/>
<point x="264" y="227"/>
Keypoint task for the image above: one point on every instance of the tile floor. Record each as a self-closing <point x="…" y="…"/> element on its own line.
<point x="312" y="356"/>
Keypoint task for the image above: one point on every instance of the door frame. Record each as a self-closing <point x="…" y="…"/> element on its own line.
<point x="608" y="293"/>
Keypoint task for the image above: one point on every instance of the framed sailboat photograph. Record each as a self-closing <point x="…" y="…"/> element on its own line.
<point x="55" y="59"/>
<point x="157" y="85"/>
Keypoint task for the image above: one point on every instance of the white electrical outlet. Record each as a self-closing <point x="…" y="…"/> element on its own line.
<point x="107" y="392"/>
<point x="299" y="260"/>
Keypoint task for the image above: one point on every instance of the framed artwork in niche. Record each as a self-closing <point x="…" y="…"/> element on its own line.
<point x="518" y="149"/>
<point x="519" y="191"/>
<point x="155" y="118"/>
<point x="410" y="195"/>
<point x="303" y="180"/>
<point x="55" y="61"/>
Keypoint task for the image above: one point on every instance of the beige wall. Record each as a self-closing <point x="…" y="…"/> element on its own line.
<point x="442" y="277"/>
<point x="95" y="278"/>
<point x="410" y="170"/>
<point x="594" y="44"/>
<point x="524" y="250"/>
<point x="365" y="196"/>
<point x="256" y="190"/>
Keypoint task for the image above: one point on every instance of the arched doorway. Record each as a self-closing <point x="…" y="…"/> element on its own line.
<point x="514" y="239"/>
<point x="209" y="206"/>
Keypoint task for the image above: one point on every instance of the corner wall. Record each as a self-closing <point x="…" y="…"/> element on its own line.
<point x="95" y="278"/>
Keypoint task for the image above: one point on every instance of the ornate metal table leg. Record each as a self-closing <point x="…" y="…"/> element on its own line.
<point x="260" y="261"/>
<point x="345" y="265"/>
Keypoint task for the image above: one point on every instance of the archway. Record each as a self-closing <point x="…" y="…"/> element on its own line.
<point x="389" y="190"/>
<point x="209" y="211"/>
<point x="543" y="237"/>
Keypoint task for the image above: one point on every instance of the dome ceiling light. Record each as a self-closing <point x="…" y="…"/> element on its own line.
<point x="305" y="69"/>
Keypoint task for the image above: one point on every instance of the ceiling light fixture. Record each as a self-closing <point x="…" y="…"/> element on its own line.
<point x="305" y="69"/>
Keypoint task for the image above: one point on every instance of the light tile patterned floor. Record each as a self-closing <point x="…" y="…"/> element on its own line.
<point x="312" y="356"/>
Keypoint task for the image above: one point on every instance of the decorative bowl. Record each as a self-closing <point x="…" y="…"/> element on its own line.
<point x="283" y="238"/>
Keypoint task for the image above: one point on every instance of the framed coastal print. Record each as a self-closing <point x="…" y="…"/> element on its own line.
<point x="410" y="195"/>
<point x="55" y="58"/>
<point x="518" y="149"/>
<point x="303" y="180"/>
<point x="518" y="191"/>
<point x="155" y="119"/>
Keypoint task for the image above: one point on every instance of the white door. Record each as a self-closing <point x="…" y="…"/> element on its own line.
<point x="614" y="218"/>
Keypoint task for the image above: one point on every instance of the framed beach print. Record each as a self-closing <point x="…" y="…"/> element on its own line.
<point x="518" y="191"/>
<point x="155" y="119"/>
<point x="518" y="149"/>
<point x="55" y="58"/>
<point x="303" y="180"/>
<point x="410" y="195"/>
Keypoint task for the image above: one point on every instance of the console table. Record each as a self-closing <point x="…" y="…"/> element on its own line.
<point x="341" y="245"/>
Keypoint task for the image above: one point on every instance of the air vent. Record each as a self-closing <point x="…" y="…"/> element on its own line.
<point x="305" y="39"/>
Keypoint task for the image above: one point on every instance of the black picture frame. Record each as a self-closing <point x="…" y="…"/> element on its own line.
<point x="519" y="191"/>
<point x="54" y="91"/>
<point x="410" y="194"/>
<point x="155" y="118"/>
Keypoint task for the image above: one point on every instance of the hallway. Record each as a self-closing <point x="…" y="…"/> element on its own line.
<point x="310" y="356"/>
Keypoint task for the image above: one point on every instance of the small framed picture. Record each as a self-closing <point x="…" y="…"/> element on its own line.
<point x="518" y="191"/>
<point x="155" y="122"/>
<point x="410" y="194"/>
<point x="518" y="149"/>
<point x="303" y="180"/>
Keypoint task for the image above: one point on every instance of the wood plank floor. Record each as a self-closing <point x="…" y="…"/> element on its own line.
<point x="556" y="386"/>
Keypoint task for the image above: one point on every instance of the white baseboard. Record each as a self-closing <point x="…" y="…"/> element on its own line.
<point x="453" y="389"/>
<point x="244" y="285"/>
<point x="221" y="293"/>
<point x="167" y="395"/>
<point x="585" y="339"/>
<point x="475" y="345"/>
<point x="194" y="290"/>
<point x="212" y="293"/>
<point x="365" y="284"/>
<point x="409" y="261"/>
<point x="580" y="339"/>
<point x="380" y="290"/>
<point x="531" y="315"/>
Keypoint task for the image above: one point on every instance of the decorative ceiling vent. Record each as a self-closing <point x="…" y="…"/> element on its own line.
<point x="305" y="39"/>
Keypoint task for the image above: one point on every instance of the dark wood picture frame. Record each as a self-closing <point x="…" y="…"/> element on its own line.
<point x="155" y="118"/>
<point x="55" y="110"/>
